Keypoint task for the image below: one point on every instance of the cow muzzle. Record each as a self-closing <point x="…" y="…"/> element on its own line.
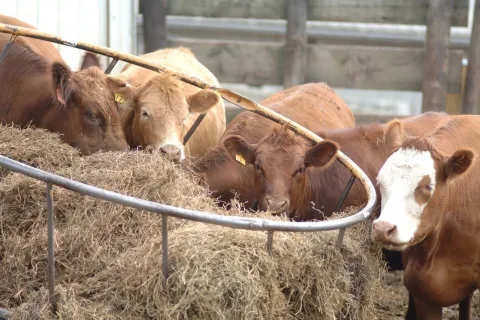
<point x="277" y="206"/>
<point x="383" y="232"/>
<point x="172" y="153"/>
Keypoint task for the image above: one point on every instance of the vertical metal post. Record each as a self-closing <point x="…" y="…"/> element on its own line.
<point x="343" y="196"/>
<point x="164" y="246"/>
<point x="111" y="66"/>
<point x="4" y="52"/>
<point x="270" y="242"/>
<point x="51" y="257"/>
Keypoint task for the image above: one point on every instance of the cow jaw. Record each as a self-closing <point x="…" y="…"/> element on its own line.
<point x="400" y="179"/>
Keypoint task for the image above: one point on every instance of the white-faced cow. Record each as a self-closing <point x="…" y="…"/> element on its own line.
<point x="37" y="88"/>
<point x="165" y="108"/>
<point x="429" y="212"/>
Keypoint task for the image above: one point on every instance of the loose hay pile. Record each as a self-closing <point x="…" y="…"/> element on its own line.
<point x="108" y="257"/>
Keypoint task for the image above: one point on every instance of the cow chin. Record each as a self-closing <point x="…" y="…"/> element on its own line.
<point x="395" y="246"/>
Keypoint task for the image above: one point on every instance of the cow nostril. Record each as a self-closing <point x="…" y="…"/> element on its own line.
<point x="391" y="230"/>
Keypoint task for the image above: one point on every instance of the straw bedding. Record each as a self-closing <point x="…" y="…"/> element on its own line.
<point x="108" y="257"/>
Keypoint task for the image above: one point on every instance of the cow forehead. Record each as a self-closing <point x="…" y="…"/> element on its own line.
<point x="165" y="105"/>
<point x="408" y="164"/>
<point x="280" y="158"/>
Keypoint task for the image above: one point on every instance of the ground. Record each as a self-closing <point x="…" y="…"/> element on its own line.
<point x="392" y="304"/>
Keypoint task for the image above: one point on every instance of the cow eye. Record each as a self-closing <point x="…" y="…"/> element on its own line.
<point x="257" y="167"/>
<point x="145" y="114"/>
<point x="299" y="171"/>
<point x="91" y="116"/>
<point x="428" y="187"/>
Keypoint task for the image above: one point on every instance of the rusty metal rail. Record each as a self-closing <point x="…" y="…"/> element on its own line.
<point x="166" y="210"/>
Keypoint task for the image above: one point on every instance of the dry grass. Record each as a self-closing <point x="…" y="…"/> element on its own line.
<point x="108" y="257"/>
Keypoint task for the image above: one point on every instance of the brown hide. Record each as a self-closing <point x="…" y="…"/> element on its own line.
<point x="312" y="105"/>
<point x="365" y="145"/>
<point x="36" y="87"/>
<point x="165" y="108"/>
<point x="442" y="260"/>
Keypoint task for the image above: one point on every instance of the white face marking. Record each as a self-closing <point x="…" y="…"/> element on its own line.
<point x="398" y="179"/>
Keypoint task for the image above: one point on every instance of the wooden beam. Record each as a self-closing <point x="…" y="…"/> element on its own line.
<point x="154" y="24"/>
<point x="434" y="86"/>
<point x="471" y="97"/>
<point x="295" y="44"/>
<point x="368" y="11"/>
<point x="341" y="66"/>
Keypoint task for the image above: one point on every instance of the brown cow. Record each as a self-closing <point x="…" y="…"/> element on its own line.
<point x="299" y="173"/>
<point x="36" y="87"/>
<point x="429" y="188"/>
<point x="275" y="180"/>
<point x="307" y="104"/>
<point x="165" y="108"/>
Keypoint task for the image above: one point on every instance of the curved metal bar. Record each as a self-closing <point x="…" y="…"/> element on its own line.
<point x="228" y="95"/>
<point x="228" y="221"/>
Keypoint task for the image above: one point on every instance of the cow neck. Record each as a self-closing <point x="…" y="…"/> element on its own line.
<point x="322" y="191"/>
<point x="456" y="223"/>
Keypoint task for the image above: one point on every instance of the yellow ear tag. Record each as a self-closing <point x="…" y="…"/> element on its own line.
<point x="120" y="98"/>
<point x="240" y="158"/>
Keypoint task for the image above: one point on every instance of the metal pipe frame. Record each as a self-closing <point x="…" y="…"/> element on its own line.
<point x="166" y="210"/>
<point x="51" y="257"/>
<point x="227" y="95"/>
<point x="236" y="222"/>
<point x="194" y="127"/>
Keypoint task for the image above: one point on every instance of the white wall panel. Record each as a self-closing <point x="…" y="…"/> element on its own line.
<point x="81" y="20"/>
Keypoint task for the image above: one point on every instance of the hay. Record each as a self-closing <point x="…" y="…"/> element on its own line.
<point x="36" y="147"/>
<point x="108" y="257"/>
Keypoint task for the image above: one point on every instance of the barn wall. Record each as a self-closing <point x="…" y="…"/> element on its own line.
<point x="110" y="23"/>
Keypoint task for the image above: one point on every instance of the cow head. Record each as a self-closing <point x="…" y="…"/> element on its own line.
<point x="88" y="117"/>
<point x="280" y="162"/>
<point x="414" y="187"/>
<point x="162" y="114"/>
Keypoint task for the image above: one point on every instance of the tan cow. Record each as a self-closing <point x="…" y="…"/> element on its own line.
<point x="37" y="87"/>
<point x="429" y="211"/>
<point x="165" y="107"/>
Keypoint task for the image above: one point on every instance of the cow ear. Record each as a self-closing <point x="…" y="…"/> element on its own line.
<point x="123" y="93"/>
<point x="394" y="135"/>
<point x="203" y="100"/>
<point x="458" y="163"/>
<point x="322" y="154"/>
<point x="63" y="86"/>
<point x="90" y="60"/>
<point x="239" y="149"/>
